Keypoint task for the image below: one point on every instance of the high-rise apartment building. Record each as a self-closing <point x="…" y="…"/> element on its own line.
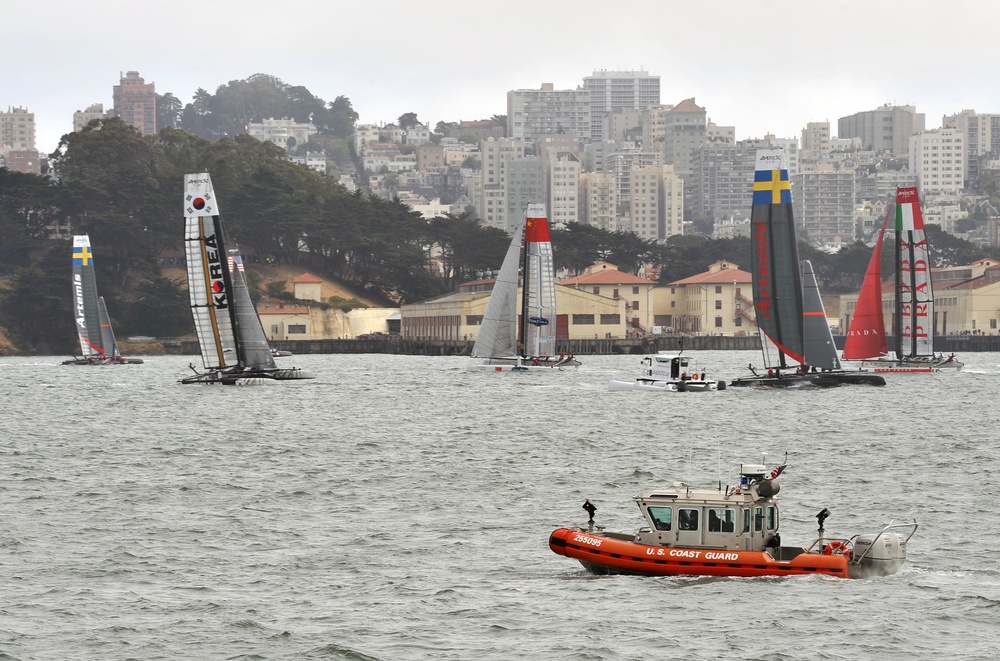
<point x="611" y="90"/>
<point x="823" y="205"/>
<point x="83" y="117"/>
<point x="545" y="111"/>
<point x="491" y="189"/>
<point x="815" y="141"/>
<point x="937" y="158"/>
<point x="599" y="200"/>
<point x="135" y="102"/>
<point x="885" y="129"/>
<point x="17" y="129"/>
<point x="982" y="140"/>
<point x="563" y="171"/>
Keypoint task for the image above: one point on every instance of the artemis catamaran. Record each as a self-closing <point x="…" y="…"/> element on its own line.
<point x="93" y="324"/>
<point x="234" y="348"/>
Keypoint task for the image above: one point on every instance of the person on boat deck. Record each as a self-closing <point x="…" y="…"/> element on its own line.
<point x="770" y="372"/>
<point x="534" y="360"/>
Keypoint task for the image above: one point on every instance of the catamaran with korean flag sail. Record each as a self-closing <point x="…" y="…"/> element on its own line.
<point x="913" y="308"/>
<point x="93" y="324"/>
<point x="234" y="348"/>
<point x="529" y="345"/>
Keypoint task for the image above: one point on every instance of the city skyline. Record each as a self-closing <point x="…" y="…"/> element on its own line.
<point x="769" y="67"/>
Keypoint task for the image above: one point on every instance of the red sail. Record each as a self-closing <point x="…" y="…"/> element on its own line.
<point x="866" y="336"/>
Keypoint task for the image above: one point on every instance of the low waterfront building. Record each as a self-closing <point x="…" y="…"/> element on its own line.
<point x="716" y="302"/>
<point x="604" y="279"/>
<point x="458" y="315"/>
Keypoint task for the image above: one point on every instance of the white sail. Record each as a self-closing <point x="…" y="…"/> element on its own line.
<point x="539" y="313"/>
<point x="497" y="337"/>
<point x="208" y="278"/>
<point x="916" y="296"/>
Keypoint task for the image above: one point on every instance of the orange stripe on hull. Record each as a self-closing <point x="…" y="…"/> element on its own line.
<point x="618" y="556"/>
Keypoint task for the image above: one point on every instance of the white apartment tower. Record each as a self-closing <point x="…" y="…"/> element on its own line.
<point x="599" y="200"/>
<point x="815" y="141"/>
<point x="982" y="136"/>
<point x="564" y="189"/>
<point x="535" y="113"/>
<point x="17" y="129"/>
<point x="937" y="158"/>
<point x="83" y="117"/>
<point x="611" y="90"/>
<point x="496" y="153"/>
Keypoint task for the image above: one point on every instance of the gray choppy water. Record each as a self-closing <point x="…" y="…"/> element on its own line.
<point x="398" y="507"/>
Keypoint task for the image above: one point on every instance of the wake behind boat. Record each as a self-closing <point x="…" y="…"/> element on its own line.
<point x="789" y="309"/>
<point x="913" y="309"/>
<point x="234" y="348"/>
<point x="732" y="531"/>
<point x="93" y="324"/>
<point x="528" y="346"/>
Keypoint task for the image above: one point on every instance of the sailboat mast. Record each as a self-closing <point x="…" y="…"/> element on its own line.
<point x="522" y="327"/>
<point x="897" y="313"/>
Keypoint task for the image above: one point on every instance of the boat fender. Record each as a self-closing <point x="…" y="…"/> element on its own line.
<point x="768" y="488"/>
<point x="681" y="386"/>
<point x="721" y="385"/>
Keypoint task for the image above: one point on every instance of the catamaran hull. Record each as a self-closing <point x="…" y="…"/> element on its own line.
<point x="87" y="361"/>
<point x="813" y="380"/>
<point x="524" y="365"/>
<point x="893" y="366"/>
<point x="602" y="553"/>
<point x="667" y="386"/>
<point x="247" y="377"/>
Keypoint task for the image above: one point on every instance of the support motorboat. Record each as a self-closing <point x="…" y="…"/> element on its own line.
<point x="667" y="371"/>
<point x="732" y="531"/>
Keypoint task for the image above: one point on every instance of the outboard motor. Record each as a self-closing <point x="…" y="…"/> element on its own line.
<point x="877" y="555"/>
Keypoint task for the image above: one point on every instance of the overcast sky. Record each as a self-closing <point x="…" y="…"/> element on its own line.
<point x="759" y="65"/>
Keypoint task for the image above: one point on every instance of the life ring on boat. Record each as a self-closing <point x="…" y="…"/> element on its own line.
<point x="836" y="547"/>
<point x="694" y="377"/>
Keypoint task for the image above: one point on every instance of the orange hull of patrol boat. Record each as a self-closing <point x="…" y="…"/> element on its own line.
<point x="604" y="555"/>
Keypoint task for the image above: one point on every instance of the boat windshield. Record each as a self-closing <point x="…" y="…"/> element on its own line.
<point x="661" y="517"/>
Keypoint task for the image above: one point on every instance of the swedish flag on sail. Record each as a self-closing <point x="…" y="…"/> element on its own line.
<point x="82" y="255"/>
<point x="772" y="187"/>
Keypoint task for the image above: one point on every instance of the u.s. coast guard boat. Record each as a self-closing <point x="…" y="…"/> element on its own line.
<point x="727" y="532"/>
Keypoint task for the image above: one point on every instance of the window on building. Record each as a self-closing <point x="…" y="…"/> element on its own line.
<point x="296" y="329"/>
<point x="635" y="290"/>
<point x="718" y="322"/>
<point x="583" y="319"/>
<point x="673" y="304"/>
<point x="635" y="305"/>
<point x="274" y="329"/>
<point x="597" y="291"/>
<point x="473" y="319"/>
<point x="718" y="305"/>
<point x="739" y="321"/>
<point x="611" y="319"/>
<point x="718" y="289"/>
